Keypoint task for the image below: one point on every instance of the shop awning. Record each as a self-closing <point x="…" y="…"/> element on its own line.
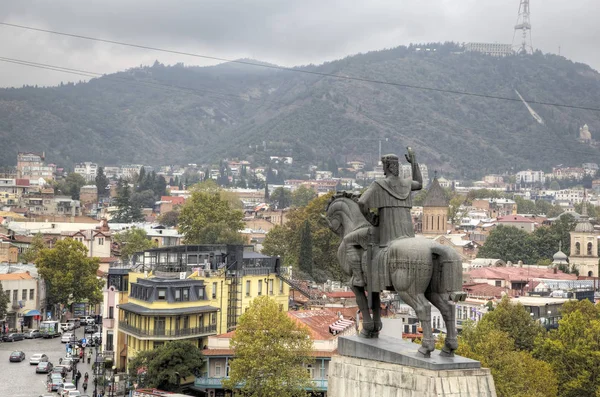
<point x="31" y="312"/>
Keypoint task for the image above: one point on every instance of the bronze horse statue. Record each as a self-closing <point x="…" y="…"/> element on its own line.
<point x="420" y="270"/>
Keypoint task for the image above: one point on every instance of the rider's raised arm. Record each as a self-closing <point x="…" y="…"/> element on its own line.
<point x="417" y="182"/>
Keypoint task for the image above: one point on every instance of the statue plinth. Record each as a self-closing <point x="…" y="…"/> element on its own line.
<point x="392" y="367"/>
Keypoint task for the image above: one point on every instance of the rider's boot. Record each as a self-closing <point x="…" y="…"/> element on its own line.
<point x="357" y="276"/>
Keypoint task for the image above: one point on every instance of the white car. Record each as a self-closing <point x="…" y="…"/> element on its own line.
<point x="66" y="389"/>
<point x="38" y="358"/>
<point x="89" y="320"/>
<point x="67" y="326"/>
<point x="67" y="337"/>
<point x="73" y="393"/>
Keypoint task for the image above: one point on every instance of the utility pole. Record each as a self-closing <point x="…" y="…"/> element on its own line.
<point x="524" y="26"/>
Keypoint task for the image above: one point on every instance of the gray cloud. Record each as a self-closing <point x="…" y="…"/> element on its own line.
<point x="279" y="31"/>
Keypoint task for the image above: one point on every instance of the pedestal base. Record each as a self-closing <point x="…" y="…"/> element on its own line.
<point x="357" y="377"/>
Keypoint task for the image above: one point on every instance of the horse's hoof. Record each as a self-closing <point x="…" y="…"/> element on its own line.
<point x="451" y="344"/>
<point x="423" y="351"/>
<point x="368" y="334"/>
<point x="446" y="352"/>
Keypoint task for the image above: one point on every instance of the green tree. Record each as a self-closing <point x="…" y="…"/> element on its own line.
<point x="71" y="185"/>
<point x="169" y="219"/>
<point x="69" y="273"/>
<point x="133" y="240"/>
<point x="516" y="373"/>
<point x="306" y="250"/>
<point x="127" y="211"/>
<point x="37" y="244"/>
<point x="281" y="197"/>
<point x="207" y="217"/>
<point x="102" y="183"/>
<point x="510" y="244"/>
<point x="515" y="320"/>
<point x="573" y="350"/>
<point x="554" y="185"/>
<point x="302" y="196"/>
<point x="454" y="212"/>
<point x="4" y="301"/>
<point x="271" y="353"/>
<point x="163" y="367"/>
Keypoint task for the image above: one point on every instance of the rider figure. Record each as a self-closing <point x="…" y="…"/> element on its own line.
<point x="392" y="199"/>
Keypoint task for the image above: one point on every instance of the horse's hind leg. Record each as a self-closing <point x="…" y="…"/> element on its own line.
<point x="421" y="306"/>
<point x="448" y="311"/>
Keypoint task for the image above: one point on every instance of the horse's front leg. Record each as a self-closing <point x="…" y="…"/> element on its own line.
<point x="363" y="305"/>
<point x="377" y="324"/>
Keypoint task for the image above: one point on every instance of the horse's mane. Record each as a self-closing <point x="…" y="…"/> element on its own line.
<point x="347" y="202"/>
<point x="339" y="195"/>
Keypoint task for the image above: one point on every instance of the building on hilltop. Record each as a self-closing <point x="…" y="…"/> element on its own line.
<point x="87" y="170"/>
<point x="31" y="166"/>
<point x="493" y="49"/>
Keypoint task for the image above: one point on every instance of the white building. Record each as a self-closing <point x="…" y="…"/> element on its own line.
<point x="23" y="291"/>
<point x="494" y="49"/>
<point x="530" y="176"/>
<point x="87" y="170"/>
<point x="571" y="195"/>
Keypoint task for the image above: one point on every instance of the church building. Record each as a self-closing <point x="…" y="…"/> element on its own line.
<point x="584" y="245"/>
<point x="434" y="221"/>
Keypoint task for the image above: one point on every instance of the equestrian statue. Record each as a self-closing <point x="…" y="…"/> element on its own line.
<point x="379" y="251"/>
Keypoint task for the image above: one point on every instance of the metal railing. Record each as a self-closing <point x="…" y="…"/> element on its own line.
<point x="169" y="333"/>
<point x="216" y="383"/>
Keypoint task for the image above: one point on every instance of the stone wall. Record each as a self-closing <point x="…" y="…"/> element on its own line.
<point x="355" y="377"/>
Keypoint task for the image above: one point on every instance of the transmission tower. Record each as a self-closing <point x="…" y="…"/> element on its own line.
<point x="523" y="25"/>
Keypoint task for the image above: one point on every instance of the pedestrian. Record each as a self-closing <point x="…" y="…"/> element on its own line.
<point x="77" y="377"/>
<point x="60" y="361"/>
<point x="85" y="386"/>
<point x="85" y="377"/>
<point x="89" y="356"/>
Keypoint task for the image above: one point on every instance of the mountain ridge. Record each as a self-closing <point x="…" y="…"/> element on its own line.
<point x="236" y="110"/>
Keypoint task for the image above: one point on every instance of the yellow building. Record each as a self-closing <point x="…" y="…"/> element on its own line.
<point x="192" y="292"/>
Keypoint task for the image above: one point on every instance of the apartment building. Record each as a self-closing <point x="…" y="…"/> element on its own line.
<point x="31" y="166"/>
<point x="87" y="170"/>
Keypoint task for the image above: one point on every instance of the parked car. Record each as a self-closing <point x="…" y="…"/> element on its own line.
<point x="44" y="367"/>
<point x="13" y="337"/>
<point x="33" y="334"/>
<point x="67" y="363"/>
<point x="55" y="381"/>
<point x="16" y="357"/>
<point x="38" y="358"/>
<point x="90" y="329"/>
<point x="89" y="320"/>
<point x="66" y="337"/>
<point x="73" y="393"/>
<point x="60" y="369"/>
<point x="66" y="388"/>
<point x="75" y="321"/>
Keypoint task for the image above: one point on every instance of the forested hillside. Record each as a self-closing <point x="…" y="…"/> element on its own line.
<point x="235" y="110"/>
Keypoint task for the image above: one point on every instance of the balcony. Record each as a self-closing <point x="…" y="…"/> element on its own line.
<point x="217" y="383"/>
<point x="108" y="323"/>
<point x="167" y="334"/>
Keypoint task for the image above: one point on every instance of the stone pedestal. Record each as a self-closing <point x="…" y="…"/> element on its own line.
<point x="390" y="367"/>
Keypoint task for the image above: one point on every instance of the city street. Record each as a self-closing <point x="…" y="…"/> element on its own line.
<point x="20" y="379"/>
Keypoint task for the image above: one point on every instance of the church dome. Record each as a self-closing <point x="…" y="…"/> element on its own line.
<point x="560" y="256"/>
<point x="584" y="227"/>
<point x="436" y="196"/>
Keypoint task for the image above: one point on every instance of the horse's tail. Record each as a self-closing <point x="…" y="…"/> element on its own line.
<point x="447" y="274"/>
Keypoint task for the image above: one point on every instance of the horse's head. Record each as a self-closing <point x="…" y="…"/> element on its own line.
<point x="343" y="213"/>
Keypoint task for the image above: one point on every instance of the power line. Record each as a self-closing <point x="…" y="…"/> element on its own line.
<point x="296" y="70"/>
<point x="385" y="124"/>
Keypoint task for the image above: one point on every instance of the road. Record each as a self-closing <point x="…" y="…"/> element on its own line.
<point x="20" y="379"/>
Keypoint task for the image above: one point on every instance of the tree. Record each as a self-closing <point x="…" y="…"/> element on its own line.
<point x="302" y="196"/>
<point x="127" y="211"/>
<point x="208" y="218"/>
<point x="516" y="373"/>
<point x="37" y="244"/>
<point x="71" y="185"/>
<point x="454" y="212"/>
<point x="169" y="219"/>
<point x="572" y="350"/>
<point x="133" y="240"/>
<point x="306" y="251"/>
<point x="281" y="197"/>
<point x="102" y="183"/>
<point x="554" y="185"/>
<point x="4" y="301"/>
<point x="271" y="353"/>
<point x="163" y="367"/>
<point x="69" y="273"/>
<point x="508" y="243"/>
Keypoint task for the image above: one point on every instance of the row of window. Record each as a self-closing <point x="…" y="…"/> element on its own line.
<point x="269" y="284"/>
<point x="15" y="294"/>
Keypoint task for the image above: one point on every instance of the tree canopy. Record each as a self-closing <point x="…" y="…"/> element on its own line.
<point x="69" y="273"/>
<point x="169" y="219"/>
<point x="271" y="353"/>
<point x="208" y="217"/>
<point x="163" y="367"/>
<point x="133" y="240"/>
<point x="70" y="186"/>
<point x="302" y="196"/>
<point x="37" y="244"/>
<point x="127" y="210"/>
<point x="102" y="183"/>
<point x="4" y="301"/>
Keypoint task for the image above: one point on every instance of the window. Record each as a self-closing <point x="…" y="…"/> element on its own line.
<point x="111" y="313"/>
<point x="311" y="371"/>
<point x="177" y="295"/>
<point x="24" y="295"/>
<point x="109" y="341"/>
<point x="162" y="294"/>
<point x="186" y="322"/>
<point x="213" y="318"/>
<point x="270" y="287"/>
<point x="577" y="249"/>
<point x="259" y="287"/>
<point x="217" y="370"/>
<point x="280" y="286"/>
<point x="498" y="283"/>
<point x="201" y="320"/>
<point x="589" y="249"/>
<point x="185" y="294"/>
<point x="101" y="241"/>
<point x="15" y="296"/>
<point x="214" y="291"/>
<point x="247" y="287"/>
<point x="31" y="294"/>
<point x="7" y="292"/>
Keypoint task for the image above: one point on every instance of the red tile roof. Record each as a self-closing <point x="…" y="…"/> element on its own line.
<point x="514" y="218"/>
<point x="317" y="322"/>
<point x="175" y="200"/>
<point x="483" y="290"/>
<point x="230" y="353"/>
<point x="518" y="273"/>
<point x="16" y="276"/>
<point x="340" y="294"/>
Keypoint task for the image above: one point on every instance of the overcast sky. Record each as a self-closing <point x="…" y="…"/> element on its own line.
<point x="285" y="32"/>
